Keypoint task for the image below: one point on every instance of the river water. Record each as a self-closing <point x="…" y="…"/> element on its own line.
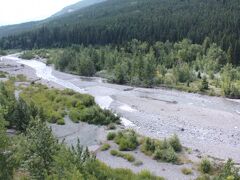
<point x="209" y="124"/>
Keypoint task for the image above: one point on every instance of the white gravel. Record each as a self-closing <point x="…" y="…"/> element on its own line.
<point x="209" y="125"/>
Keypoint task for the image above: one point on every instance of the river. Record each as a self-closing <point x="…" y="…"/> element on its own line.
<point x="210" y="125"/>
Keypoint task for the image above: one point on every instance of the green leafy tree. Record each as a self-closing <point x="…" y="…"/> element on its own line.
<point x="6" y="161"/>
<point x="40" y="149"/>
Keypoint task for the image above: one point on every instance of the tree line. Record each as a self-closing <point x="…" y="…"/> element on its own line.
<point x="117" y="22"/>
<point x="183" y="65"/>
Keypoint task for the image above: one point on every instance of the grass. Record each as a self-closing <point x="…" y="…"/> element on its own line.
<point x="186" y="171"/>
<point x="105" y="147"/>
<point x="128" y="157"/>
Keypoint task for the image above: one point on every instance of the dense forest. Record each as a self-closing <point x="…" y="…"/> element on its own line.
<point x="117" y="22"/>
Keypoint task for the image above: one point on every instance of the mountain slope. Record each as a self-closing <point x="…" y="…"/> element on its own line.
<point x="19" y="28"/>
<point x="118" y="21"/>
<point x="79" y="5"/>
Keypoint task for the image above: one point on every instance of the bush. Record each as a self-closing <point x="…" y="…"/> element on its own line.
<point x="138" y="163"/>
<point x="204" y="85"/>
<point x="114" y="152"/>
<point x="175" y="143"/>
<point x="105" y="147"/>
<point x="60" y="121"/>
<point x="27" y="55"/>
<point x="129" y="157"/>
<point x="205" y="166"/>
<point x="186" y="171"/>
<point x="111" y="126"/>
<point x="166" y="155"/>
<point x="111" y="136"/>
<point x="148" y="146"/>
<point x="3" y="74"/>
<point x="127" y="140"/>
<point x="74" y="115"/>
<point x="203" y="177"/>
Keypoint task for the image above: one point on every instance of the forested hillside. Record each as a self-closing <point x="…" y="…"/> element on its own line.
<point x="24" y="27"/>
<point x="117" y="21"/>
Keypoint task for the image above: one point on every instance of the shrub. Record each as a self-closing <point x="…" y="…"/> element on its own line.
<point x="60" y="121"/>
<point x="204" y="85"/>
<point x="27" y="55"/>
<point x="74" y="115"/>
<point x="105" y="147"/>
<point x="203" y="177"/>
<point x="129" y="157"/>
<point x="186" y="171"/>
<point x="111" y="136"/>
<point x="3" y="74"/>
<point x="167" y="155"/>
<point x="148" y="146"/>
<point x="111" y="126"/>
<point x="21" y="78"/>
<point x="205" y="166"/>
<point x="229" y="171"/>
<point x="175" y="143"/>
<point x="127" y="140"/>
<point x="114" y="152"/>
<point x="138" y="163"/>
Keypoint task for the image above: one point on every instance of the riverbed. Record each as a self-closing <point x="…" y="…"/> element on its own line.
<point x="207" y="125"/>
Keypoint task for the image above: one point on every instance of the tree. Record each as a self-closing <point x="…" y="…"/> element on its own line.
<point x="40" y="149"/>
<point x="6" y="163"/>
<point x="21" y="116"/>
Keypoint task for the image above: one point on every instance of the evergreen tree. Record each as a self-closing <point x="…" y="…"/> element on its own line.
<point x="40" y="149"/>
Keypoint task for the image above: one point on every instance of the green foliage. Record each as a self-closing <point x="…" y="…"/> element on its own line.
<point x="127" y="140"/>
<point x="229" y="171"/>
<point x="158" y="21"/>
<point x="178" y="65"/>
<point x="148" y="146"/>
<point x="55" y="105"/>
<point x="27" y="55"/>
<point x="186" y="171"/>
<point x="165" y="150"/>
<point x="111" y="126"/>
<point x="167" y="155"/>
<point x="126" y="156"/>
<point x="204" y="84"/>
<point x="111" y="136"/>
<point x="175" y="143"/>
<point x="6" y="160"/>
<point x="40" y="149"/>
<point x="3" y="53"/>
<point x="3" y="74"/>
<point x="105" y="147"/>
<point x="138" y="163"/>
<point x="205" y="166"/>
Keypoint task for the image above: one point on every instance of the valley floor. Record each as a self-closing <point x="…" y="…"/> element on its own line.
<point x="209" y="126"/>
